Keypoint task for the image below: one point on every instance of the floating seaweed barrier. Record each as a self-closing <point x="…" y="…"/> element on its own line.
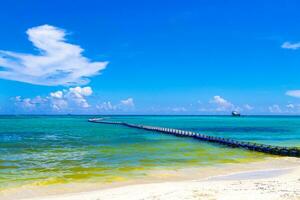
<point x="269" y="149"/>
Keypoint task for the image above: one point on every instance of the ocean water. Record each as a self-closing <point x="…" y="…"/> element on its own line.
<point x="42" y="150"/>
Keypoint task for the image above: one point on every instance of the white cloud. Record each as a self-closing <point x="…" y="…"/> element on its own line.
<point x="79" y="91"/>
<point x="293" y="108"/>
<point x="106" y="106"/>
<point x="70" y="100"/>
<point x="78" y="94"/>
<point x="57" y="100"/>
<point x="58" y="63"/>
<point x="128" y="102"/>
<point x="293" y="93"/>
<point x="290" y="106"/>
<point x="58" y="104"/>
<point x="62" y="100"/>
<point x="289" y="45"/>
<point x="28" y="103"/>
<point x="123" y="105"/>
<point x="248" y="107"/>
<point x="57" y="95"/>
<point x="275" y="109"/>
<point x="221" y="103"/>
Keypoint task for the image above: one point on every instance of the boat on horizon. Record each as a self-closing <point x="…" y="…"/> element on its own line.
<point x="235" y="114"/>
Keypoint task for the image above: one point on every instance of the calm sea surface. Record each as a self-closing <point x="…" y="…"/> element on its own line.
<point x="55" y="149"/>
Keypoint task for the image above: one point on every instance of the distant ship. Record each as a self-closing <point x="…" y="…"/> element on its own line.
<point x="235" y="114"/>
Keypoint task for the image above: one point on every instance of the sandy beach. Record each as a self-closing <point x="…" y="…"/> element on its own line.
<point x="274" y="178"/>
<point x="149" y="100"/>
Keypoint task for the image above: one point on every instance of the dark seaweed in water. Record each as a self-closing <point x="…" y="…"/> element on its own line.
<point x="241" y="129"/>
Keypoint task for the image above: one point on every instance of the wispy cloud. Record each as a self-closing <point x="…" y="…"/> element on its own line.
<point x="248" y="107"/>
<point x="28" y="103"/>
<point x="289" y="45"/>
<point x="293" y="93"/>
<point x="106" y="106"/>
<point x="128" y="102"/>
<point x="123" y="105"/>
<point x="58" y="62"/>
<point x="275" y="109"/>
<point x="290" y="106"/>
<point x="293" y="108"/>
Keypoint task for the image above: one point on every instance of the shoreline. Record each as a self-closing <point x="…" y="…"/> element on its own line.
<point x="272" y="172"/>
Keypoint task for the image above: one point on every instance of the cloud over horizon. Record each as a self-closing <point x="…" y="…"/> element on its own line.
<point x="59" y="101"/>
<point x="57" y="63"/>
<point x="275" y="108"/>
<point x="123" y="105"/>
<point x="221" y="103"/>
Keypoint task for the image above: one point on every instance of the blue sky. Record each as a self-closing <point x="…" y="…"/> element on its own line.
<point x="150" y="57"/>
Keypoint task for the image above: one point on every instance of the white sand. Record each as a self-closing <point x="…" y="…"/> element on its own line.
<point x="275" y="179"/>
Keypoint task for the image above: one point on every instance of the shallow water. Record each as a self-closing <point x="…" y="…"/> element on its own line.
<point x="44" y="150"/>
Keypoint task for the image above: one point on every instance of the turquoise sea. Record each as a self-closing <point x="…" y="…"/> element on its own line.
<point x="42" y="150"/>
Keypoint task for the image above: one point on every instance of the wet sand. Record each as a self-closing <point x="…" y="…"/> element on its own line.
<point x="274" y="178"/>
